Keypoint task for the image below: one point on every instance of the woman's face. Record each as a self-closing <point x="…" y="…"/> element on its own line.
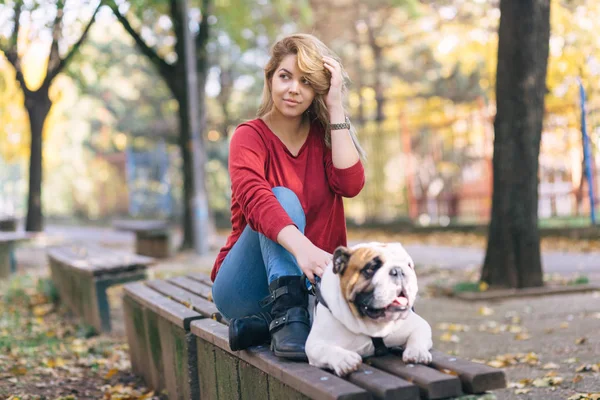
<point x="290" y="91"/>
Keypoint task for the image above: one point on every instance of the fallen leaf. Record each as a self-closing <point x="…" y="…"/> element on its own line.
<point x="42" y="310"/>
<point x="111" y="373"/>
<point x="548" y="381"/>
<point x="588" y="368"/>
<point x="449" y="337"/>
<point x="564" y="325"/>
<point x="485" y="311"/>
<point x="577" y="378"/>
<point x="522" y="391"/>
<point x="522" y="336"/>
<point x="581" y="340"/>
<point x="551" y="366"/>
<point x="18" y="371"/>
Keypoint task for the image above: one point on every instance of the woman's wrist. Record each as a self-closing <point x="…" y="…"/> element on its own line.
<point x="337" y="115"/>
<point x="293" y="240"/>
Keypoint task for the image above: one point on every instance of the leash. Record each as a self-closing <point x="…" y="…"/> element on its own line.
<point x="380" y="347"/>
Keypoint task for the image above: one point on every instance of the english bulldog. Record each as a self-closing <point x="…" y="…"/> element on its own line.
<point x="369" y="291"/>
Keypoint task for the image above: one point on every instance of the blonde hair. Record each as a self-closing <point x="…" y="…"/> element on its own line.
<point x="310" y="52"/>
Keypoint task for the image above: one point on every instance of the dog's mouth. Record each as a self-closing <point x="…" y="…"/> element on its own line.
<point x="398" y="305"/>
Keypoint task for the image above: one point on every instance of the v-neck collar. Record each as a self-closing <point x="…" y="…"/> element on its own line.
<point x="304" y="145"/>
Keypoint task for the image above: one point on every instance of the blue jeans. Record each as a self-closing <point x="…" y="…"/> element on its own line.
<point x="253" y="262"/>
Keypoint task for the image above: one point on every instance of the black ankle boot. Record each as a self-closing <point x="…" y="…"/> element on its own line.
<point x="252" y="330"/>
<point x="291" y="322"/>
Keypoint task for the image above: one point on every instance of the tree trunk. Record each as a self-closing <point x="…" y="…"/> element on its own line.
<point x="513" y="256"/>
<point x="187" y="174"/>
<point x="38" y="106"/>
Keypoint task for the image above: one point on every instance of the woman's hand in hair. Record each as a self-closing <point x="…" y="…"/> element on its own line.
<point x="334" y="96"/>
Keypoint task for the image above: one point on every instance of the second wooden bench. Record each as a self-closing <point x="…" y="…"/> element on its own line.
<point x="83" y="273"/>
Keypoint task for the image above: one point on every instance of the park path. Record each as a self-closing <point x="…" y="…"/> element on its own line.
<point x="448" y="257"/>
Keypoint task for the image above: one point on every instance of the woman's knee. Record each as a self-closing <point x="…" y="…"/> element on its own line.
<point x="291" y="204"/>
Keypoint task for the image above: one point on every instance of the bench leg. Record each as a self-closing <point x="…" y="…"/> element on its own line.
<point x="179" y="361"/>
<point x="99" y="315"/>
<point x="6" y="266"/>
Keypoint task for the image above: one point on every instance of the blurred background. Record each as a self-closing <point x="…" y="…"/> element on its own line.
<point x="421" y="96"/>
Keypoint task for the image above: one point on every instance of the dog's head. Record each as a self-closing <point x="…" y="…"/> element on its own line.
<point x="377" y="280"/>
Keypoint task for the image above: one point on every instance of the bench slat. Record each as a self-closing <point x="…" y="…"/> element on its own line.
<point x="311" y="381"/>
<point x="203" y="306"/>
<point x="177" y="313"/>
<point x="193" y="286"/>
<point x="61" y="255"/>
<point x="200" y="277"/>
<point x="96" y="260"/>
<point x="382" y="384"/>
<point x="475" y="377"/>
<point x="433" y="384"/>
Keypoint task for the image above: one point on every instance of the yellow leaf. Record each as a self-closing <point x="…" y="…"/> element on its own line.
<point x="548" y="381"/>
<point x="551" y="366"/>
<point x="564" y="325"/>
<point x="483" y="286"/>
<point x="42" y="310"/>
<point x="496" y="364"/>
<point x="111" y="373"/>
<point x="485" y="311"/>
<point x="147" y="395"/>
<point x="18" y="371"/>
<point x="522" y="391"/>
<point x="522" y="336"/>
<point x="449" y="337"/>
<point x="580" y="340"/>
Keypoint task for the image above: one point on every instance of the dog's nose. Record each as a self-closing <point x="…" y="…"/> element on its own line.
<point x="395" y="272"/>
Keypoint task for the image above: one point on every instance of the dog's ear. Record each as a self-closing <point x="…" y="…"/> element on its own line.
<point x="340" y="259"/>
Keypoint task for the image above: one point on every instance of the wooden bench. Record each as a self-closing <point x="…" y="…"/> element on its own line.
<point x="178" y="342"/>
<point x="8" y="224"/>
<point x="152" y="238"/>
<point x="82" y="273"/>
<point x="8" y="242"/>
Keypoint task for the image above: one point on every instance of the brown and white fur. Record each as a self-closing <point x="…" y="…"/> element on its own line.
<point x="370" y="290"/>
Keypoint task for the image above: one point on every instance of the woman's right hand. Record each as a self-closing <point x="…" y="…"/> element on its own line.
<point x="312" y="261"/>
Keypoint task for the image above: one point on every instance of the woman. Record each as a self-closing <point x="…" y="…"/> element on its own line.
<point x="289" y="170"/>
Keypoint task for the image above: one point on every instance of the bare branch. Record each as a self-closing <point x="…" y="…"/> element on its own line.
<point x="63" y="62"/>
<point x="11" y="52"/>
<point x="54" y="58"/>
<point x="164" y="69"/>
<point x="15" y="33"/>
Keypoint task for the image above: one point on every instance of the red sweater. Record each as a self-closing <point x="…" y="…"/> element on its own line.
<point x="259" y="161"/>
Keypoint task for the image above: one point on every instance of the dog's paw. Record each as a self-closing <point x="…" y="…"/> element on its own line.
<point x="416" y="355"/>
<point x="345" y="362"/>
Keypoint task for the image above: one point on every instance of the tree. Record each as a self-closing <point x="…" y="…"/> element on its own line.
<point x="235" y="19"/>
<point x="513" y="256"/>
<point x="37" y="101"/>
<point x="172" y="74"/>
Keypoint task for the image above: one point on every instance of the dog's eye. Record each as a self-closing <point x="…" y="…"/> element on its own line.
<point x="369" y="270"/>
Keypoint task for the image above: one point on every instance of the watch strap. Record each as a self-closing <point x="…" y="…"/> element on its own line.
<point x="343" y="125"/>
